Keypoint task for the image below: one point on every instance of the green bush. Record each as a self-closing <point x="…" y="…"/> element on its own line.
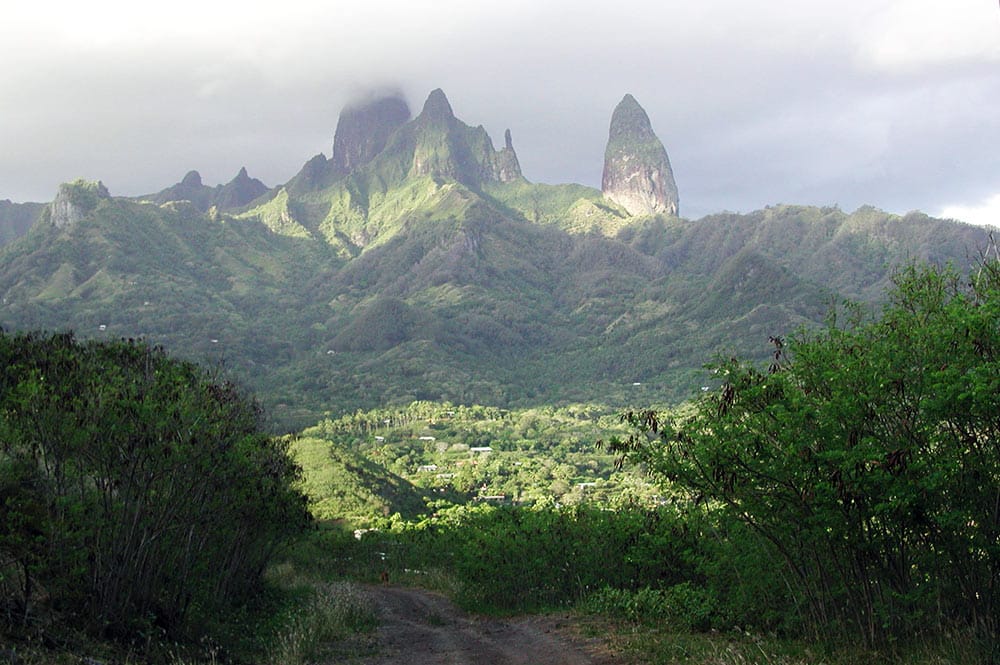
<point x="684" y="605"/>
<point x="521" y="559"/>
<point x="135" y="490"/>
<point x="866" y="458"/>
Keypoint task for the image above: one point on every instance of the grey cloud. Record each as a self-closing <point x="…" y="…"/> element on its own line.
<point x="757" y="103"/>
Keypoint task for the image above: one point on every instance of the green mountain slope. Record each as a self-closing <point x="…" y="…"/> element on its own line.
<point x="434" y="271"/>
<point x="341" y="483"/>
<point x="16" y="219"/>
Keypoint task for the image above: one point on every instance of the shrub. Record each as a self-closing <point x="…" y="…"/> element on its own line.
<point x="867" y="456"/>
<point x="684" y="605"/>
<point x="133" y="487"/>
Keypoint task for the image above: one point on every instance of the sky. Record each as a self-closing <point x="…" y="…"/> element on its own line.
<point x="891" y="103"/>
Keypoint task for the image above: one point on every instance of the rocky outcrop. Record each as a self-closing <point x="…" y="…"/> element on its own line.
<point x="637" y="173"/>
<point x="74" y="201"/>
<point x="363" y="130"/>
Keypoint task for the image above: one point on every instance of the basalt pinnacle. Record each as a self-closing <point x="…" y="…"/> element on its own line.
<point x="437" y="107"/>
<point x="363" y="129"/>
<point x="637" y="173"/>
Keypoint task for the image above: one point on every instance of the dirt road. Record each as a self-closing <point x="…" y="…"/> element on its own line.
<point x="422" y="628"/>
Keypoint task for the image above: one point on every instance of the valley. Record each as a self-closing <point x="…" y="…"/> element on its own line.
<point x="411" y="405"/>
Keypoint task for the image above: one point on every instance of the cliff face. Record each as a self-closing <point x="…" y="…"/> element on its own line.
<point x="362" y="132"/>
<point x="637" y="173"/>
<point x="74" y="201"/>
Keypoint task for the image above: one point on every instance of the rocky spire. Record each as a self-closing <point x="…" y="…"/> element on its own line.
<point x="637" y="173"/>
<point x="437" y="107"/>
<point x="507" y="167"/>
<point x="363" y="129"/>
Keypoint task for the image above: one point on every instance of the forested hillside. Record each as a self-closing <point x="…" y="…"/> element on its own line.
<point x="470" y="302"/>
<point x="419" y="264"/>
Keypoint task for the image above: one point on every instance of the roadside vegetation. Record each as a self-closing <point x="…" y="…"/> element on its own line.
<point x="139" y="497"/>
<point x="838" y="504"/>
<point x="839" y="501"/>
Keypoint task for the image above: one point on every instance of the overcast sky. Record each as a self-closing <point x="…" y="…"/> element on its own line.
<point x="894" y="103"/>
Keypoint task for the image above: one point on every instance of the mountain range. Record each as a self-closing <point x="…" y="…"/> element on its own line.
<point x="417" y="262"/>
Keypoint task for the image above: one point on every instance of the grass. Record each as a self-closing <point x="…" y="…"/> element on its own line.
<point x="329" y="609"/>
<point x="336" y="612"/>
<point x="664" y="644"/>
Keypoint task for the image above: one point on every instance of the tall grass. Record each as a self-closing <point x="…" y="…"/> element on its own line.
<point x="336" y="611"/>
<point x="642" y="640"/>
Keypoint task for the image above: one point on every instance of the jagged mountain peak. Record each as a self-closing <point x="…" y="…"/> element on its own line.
<point x="637" y="173"/>
<point x="438" y="144"/>
<point x="437" y="107"/>
<point x="239" y="191"/>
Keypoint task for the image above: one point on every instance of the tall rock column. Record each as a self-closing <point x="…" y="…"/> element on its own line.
<point x="637" y="173"/>
<point x="362" y="131"/>
<point x="508" y="168"/>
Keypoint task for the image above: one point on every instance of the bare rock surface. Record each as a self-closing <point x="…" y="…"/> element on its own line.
<point x="363" y="129"/>
<point x="637" y="173"/>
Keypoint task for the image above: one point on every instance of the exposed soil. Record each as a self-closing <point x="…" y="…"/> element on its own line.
<point x="418" y="627"/>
